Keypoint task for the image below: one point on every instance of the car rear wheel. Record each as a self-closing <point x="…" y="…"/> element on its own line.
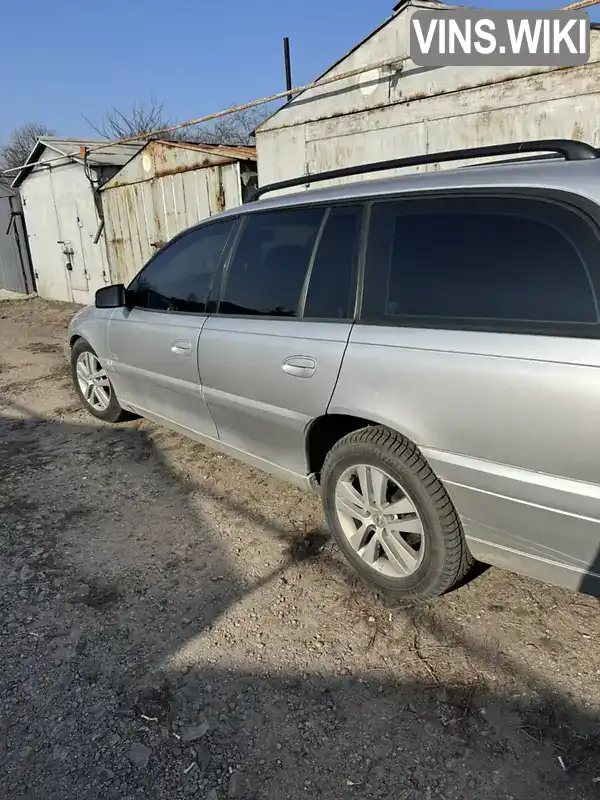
<point x="93" y="384"/>
<point x="391" y="516"/>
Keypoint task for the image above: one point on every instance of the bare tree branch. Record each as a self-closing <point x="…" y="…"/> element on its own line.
<point x="142" y="118"/>
<point x="20" y="143"/>
<point x="91" y="124"/>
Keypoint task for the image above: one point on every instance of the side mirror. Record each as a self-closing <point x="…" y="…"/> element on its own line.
<point x="112" y="296"/>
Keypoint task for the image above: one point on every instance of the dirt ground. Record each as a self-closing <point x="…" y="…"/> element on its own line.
<point x="174" y="624"/>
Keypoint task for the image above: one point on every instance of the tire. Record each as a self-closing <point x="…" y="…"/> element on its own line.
<point x="113" y="411"/>
<point x="423" y="553"/>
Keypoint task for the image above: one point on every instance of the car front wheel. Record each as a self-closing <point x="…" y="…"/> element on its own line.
<point x="93" y="384"/>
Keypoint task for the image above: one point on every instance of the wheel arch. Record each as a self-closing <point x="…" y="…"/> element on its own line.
<point x="324" y="431"/>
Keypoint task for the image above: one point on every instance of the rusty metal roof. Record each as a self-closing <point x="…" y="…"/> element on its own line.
<point x="110" y="155"/>
<point x="237" y="152"/>
<point x="161" y="158"/>
<point x="118" y="155"/>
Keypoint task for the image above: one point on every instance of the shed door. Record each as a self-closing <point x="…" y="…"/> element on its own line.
<point x="43" y="232"/>
<point x="83" y="261"/>
<point x="77" y="220"/>
<point x="62" y="222"/>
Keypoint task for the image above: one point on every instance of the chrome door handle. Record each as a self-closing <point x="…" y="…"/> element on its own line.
<point x="300" y="366"/>
<point x="181" y="347"/>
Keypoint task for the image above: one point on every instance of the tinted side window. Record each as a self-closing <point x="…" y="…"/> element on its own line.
<point x="515" y="262"/>
<point x="270" y="263"/>
<point x="179" y="277"/>
<point x="331" y="289"/>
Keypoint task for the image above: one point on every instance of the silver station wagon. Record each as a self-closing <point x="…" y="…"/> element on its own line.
<point x="423" y="351"/>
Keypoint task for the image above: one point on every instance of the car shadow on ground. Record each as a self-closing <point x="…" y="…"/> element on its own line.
<point x="108" y="572"/>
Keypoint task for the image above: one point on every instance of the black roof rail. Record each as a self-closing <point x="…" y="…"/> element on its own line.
<point x="570" y="149"/>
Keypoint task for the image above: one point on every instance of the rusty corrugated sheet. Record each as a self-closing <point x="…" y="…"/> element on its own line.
<point x="162" y="158"/>
<point x="240" y="152"/>
<point x="164" y="189"/>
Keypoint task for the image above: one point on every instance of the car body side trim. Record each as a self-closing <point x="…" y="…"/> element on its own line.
<point x="541" y="490"/>
<point x="305" y="482"/>
<point x="530" y="565"/>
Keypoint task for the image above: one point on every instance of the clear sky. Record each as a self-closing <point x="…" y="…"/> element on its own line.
<point x="61" y="60"/>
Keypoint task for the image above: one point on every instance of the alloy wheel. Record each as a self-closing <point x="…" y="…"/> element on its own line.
<point x="93" y="381"/>
<point x="380" y="520"/>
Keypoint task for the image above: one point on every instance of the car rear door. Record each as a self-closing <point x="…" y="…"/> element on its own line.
<point x="154" y="345"/>
<point x="270" y="356"/>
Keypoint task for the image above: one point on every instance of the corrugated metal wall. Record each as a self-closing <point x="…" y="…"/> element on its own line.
<point x="15" y="266"/>
<point x="161" y="192"/>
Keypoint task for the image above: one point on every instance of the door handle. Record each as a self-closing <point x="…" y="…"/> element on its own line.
<point x="300" y="366"/>
<point x="181" y="347"/>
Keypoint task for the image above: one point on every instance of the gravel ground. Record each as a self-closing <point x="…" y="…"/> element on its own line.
<point x="174" y="624"/>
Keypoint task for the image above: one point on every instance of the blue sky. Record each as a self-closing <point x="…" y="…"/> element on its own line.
<point x="72" y="58"/>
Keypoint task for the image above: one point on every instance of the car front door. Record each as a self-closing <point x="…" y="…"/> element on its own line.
<point x="154" y="345"/>
<point x="271" y="356"/>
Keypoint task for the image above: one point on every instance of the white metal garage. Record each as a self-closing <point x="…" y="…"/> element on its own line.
<point x="59" y="199"/>
<point x="402" y="110"/>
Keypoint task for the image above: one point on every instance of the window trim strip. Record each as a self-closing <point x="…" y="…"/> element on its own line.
<point x="304" y="292"/>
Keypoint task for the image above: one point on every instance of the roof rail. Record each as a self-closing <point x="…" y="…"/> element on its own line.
<point x="570" y="149"/>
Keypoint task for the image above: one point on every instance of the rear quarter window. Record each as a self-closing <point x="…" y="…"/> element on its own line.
<point x="514" y="264"/>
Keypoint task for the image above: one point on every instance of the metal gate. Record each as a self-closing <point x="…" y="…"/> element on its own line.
<point x="15" y="266"/>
